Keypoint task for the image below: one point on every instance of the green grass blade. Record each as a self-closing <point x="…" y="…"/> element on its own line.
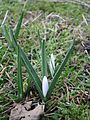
<point x="6" y="34"/>
<point x="40" y="40"/>
<point x="29" y="67"/>
<point x="20" y="81"/>
<point x="55" y="116"/>
<point x="12" y="38"/>
<point x="43" y="55"/>
<point x="58" y="72"/>
<point x="32" y="73"/>
<point x="18" y="27"/>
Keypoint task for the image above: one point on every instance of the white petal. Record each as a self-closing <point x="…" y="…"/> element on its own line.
<point x="51" y="68"/>
<point x="52" y="64"/>
<point x="53" y="60"/>
<point x="45" y="86"/>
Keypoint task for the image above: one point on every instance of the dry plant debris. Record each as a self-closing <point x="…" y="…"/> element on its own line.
<point x="24" y="112"/>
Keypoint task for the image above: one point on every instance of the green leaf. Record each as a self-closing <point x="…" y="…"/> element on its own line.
<point x="59" y="71"/>
<point x="55" y="116"/>
<point x="18" y="27"/>
<point x="29" y="67"/>
<point x="32" y="73"/>
<point x="6" y="34"/>
<point x="12" y="38"/>
<point x="20" y="81"/>
<point x="43" y="55"/>
<point x="40" y="40"/>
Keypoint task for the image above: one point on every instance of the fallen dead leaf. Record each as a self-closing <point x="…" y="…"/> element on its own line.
<point x="24" y="112"/>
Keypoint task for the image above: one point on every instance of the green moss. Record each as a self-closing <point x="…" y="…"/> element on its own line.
<point x="73" y="111"/>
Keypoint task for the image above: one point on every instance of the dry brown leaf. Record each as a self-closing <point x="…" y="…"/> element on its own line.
<point x="24" y="112"/>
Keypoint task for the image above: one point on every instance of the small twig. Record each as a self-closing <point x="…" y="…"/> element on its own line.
<point x="84" y="47"/>
<point x="84" y="19"/>
<point x="4" y="55"/>
<point x="88" y="72"/>
<point x="51" y="107"/>
<point x="10" y="80"/>
<point x="37" y="17"/>
<point x="48" y="16"/>
<point x="67" y="91"/>
<point x="25" y="23"/>
<point x="5" y="17"/>
<point x="50" y="114"/>
<point x="3" y="70"/>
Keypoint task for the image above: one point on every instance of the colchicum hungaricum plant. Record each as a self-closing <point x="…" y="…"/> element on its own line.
<point x="43" y="86"/>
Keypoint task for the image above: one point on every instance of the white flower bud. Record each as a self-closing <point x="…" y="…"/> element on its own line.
<point x="45" y="86"/>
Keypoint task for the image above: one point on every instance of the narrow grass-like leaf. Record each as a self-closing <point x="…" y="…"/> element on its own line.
<point x="18" y="27"/>
<point x="60" y="69"/>
<point x="6" y="34"/>
<point x="43" y="55"/>
<point x="12" y="38"/>
<point x="55" y="116"/>
<point x="20" y="81"/>
<point x="32" y="73"/>
<point x="29" y="67"/>
<point x="40" y="41"/>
